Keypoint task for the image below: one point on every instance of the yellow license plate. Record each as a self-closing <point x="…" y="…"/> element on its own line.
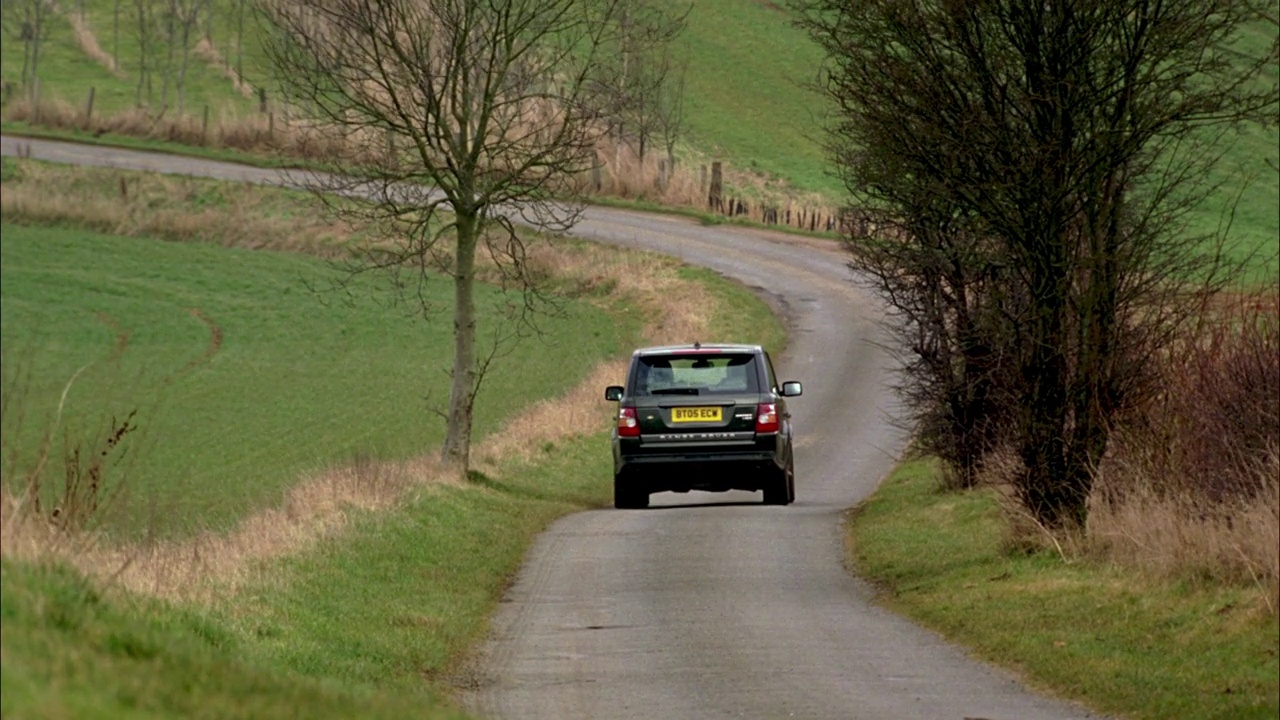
<point x="695" y="414"/>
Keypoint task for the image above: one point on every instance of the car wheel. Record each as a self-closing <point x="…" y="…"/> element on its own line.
<point x="791" y="480"/>
<point x="778" y="489"/>
<point x="628" y="498"/>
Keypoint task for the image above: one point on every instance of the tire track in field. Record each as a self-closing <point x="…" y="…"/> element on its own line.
<point x="211" y="350"/>
<point x="122" y="335"/>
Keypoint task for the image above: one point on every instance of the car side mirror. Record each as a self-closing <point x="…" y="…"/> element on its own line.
<point x="791" y="389"/>
<point x="613" y="392"/>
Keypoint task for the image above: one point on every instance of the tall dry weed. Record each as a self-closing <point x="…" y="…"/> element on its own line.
<point x="1191" y="486"/>
<point x="56" y="484"/>
<point x="170" y="208"/>
<point x="682" y="182"/>
<point x="1180" y="535"/>
<point x="271" y="134"/>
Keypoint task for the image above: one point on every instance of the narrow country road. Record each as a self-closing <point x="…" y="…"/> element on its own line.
<point x="714" y="606"/>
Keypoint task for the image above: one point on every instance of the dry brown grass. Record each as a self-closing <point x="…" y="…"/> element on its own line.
<point x="167" y="207"/>
<point x="1179" y="536"/>
<point x="88" y="43"/>
<point x="750" y="195"/>
<point x="208" y="53"/>
<point x="205" y="567"/>
<point x="202" y="567"/>
<point x="1190" y="486"/>
<point x="269" y="134"/>
<point x="1164" y="535"/>
<point x="623" y="175"/>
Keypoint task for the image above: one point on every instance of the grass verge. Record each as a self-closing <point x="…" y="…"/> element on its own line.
<point x="1116" y="640"/>
<point x="72" y="650"/>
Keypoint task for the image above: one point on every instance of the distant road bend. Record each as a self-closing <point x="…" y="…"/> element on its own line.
<point x="705" y="605"/>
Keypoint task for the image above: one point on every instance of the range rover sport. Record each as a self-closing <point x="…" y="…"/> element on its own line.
<point x="702" y="417"/>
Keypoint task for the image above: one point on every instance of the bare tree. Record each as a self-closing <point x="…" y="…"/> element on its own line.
<point x="240" y="8"/>
<point x="169" y="16"/>
<point x="27" y="21"/>
<point x="145" y="19"/>
<point x="1075" y="136"/>
<point x="669" y="110"/>
<point x="472" y="117"/>
<point x="185" y="21"/>
<point x="640" y="61"/>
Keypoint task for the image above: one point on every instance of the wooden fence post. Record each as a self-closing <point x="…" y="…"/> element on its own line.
<point x="715" y="196"/>
<point x="204" y="126"/>
<point x="88" y="106"/>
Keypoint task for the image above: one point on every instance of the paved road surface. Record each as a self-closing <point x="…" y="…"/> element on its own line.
<point x="712" y="605"/>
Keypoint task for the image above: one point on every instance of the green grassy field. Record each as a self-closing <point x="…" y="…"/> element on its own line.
<point x="1121" y="643"/>
<point x="376" y="621"/>
<point x="748" y="96"/>
<point x="67" y="72"/>
<point x="243" y="378"/>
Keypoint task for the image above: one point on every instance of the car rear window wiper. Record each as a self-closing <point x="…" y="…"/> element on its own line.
<point x="674" y="391"/>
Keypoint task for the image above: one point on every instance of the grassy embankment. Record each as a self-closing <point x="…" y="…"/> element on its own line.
<point x="1119" y="640"/>
<point x="372" y="614"/>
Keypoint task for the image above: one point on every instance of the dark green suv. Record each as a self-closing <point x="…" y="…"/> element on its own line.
<point x="702" y="417"/>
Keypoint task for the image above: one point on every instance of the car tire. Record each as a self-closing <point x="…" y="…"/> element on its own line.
<point x="780" y="488"/>
<point x="628" y="498"/>
<point x="791" y="480"/>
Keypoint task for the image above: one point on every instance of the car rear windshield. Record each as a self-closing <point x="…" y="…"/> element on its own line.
<point x="702" y="374"/>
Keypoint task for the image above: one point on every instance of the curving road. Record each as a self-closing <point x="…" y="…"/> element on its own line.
<point x="713" y="606"/>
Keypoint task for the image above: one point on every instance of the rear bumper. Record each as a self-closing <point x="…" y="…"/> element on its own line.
<point x="662" y="468"/>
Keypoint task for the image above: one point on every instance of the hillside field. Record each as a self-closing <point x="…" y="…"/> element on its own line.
<point x="245" y="369"/>
<point x="750" y="99"/>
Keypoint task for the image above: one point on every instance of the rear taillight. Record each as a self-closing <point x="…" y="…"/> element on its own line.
<point x="766" y="417"/>
<point x="628" y="426"/>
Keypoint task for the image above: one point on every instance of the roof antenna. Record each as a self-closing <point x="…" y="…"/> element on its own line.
<point x="697" y="345"/>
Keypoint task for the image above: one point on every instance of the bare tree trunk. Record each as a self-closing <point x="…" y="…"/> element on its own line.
<point x="170" y="33"/>
<point x="240" y="40"/>
<point x="36" y="41"/>
<point x="188" y="21"/>
<point x="457" y="443"/>
<point x="26" y="62"/>
<point x="144" y="52"/>
<point x="115" y="33"/>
